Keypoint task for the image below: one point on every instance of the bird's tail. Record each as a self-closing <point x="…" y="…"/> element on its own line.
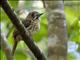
<point x="14" y="47"/>
<point x="17" y="38"/>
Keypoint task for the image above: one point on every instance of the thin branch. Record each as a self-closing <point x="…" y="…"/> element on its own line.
<point x="5" y="47"/>
<point x="16" y="22"/>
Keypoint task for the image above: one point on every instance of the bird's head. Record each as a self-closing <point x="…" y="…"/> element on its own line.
<point x="34" y="15"/>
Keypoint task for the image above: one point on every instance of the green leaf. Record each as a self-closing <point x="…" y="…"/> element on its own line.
<point x="2" y="57"/>
<point x="71" y="56"/>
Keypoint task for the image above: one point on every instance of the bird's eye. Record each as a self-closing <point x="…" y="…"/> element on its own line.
<point x="33" y="15"/>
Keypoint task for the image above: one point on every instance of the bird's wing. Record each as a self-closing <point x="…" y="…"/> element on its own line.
<point x="26" y="23"/>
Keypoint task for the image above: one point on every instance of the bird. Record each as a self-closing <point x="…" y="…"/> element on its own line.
<point x="32" y="25"/>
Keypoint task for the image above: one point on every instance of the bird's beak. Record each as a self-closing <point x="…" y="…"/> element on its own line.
<point x="40" y="14"/>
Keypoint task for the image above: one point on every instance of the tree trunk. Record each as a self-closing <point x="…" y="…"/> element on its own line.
<point x="57" y="44"/>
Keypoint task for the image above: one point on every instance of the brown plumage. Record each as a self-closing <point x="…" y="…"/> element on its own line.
<point x="31" y="23"/>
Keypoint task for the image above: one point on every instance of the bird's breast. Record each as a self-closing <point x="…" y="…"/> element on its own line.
<point x="34" y="26"/>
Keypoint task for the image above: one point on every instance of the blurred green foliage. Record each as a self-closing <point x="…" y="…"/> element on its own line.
<point x="73" y="24"/>
<point x="72" y="11"/>
<point x="73" y="28"/>
<point x="71" y="57"/>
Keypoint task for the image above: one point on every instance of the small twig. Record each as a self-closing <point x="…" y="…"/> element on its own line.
<point x="6" y="48"/>
<point x="28" y="40"/>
